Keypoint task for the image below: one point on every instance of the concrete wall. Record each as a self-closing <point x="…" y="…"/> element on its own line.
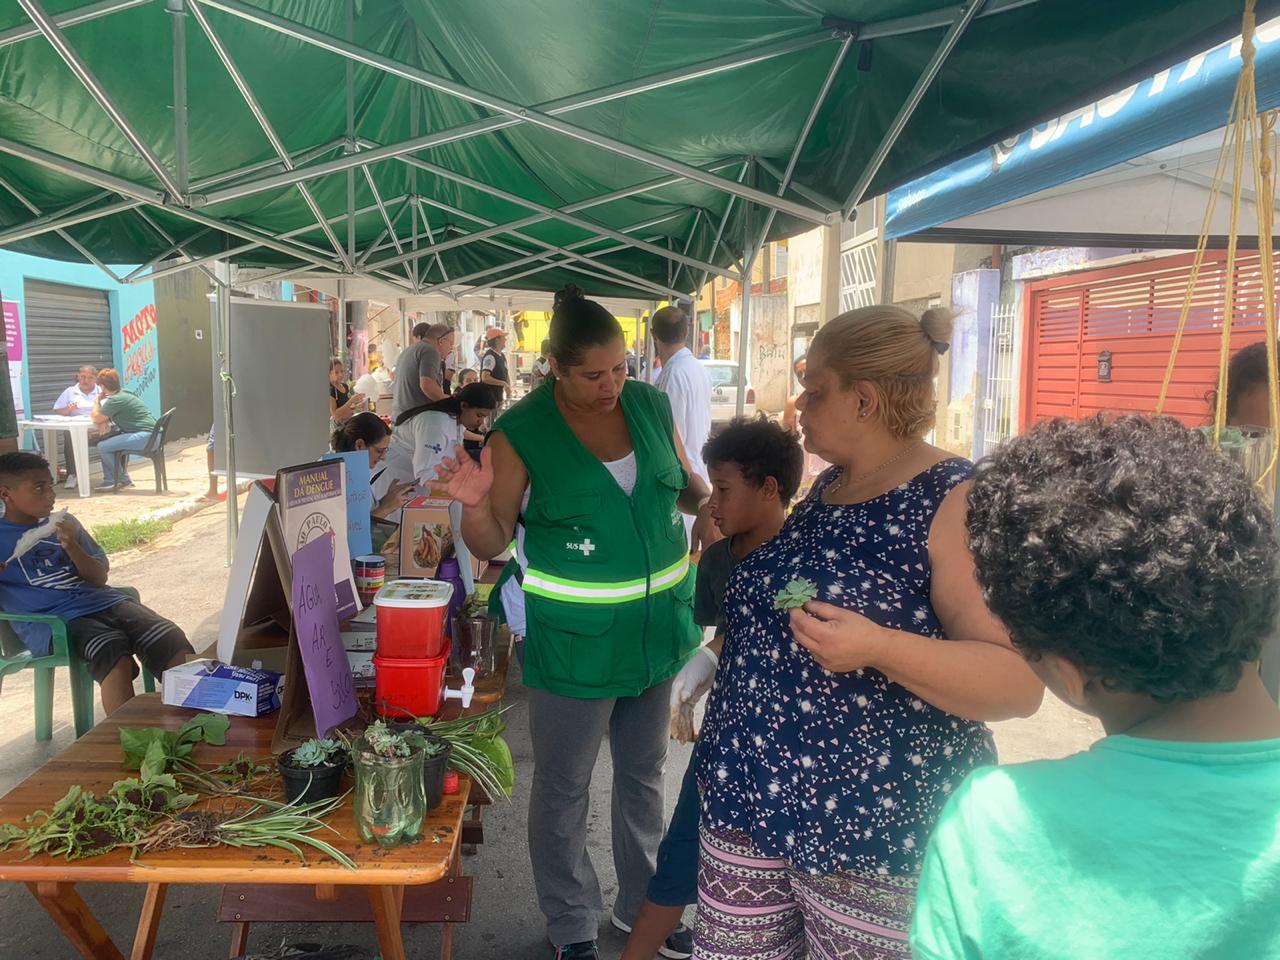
<point x="185" y="341"/>
<point x="769" y="368"/>
<point x="133" y="319"/>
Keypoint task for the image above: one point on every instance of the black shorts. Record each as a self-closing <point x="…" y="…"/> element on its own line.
<point x="126" y="629"/>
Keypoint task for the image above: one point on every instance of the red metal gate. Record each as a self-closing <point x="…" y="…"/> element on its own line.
<point x="1128" y="315"/>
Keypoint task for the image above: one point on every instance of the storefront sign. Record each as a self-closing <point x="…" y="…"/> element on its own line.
<point x="13" y="344"/>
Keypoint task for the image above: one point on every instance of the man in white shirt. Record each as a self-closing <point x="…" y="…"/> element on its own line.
<point x="686" y="383"/>
<point x="76" y="401"/>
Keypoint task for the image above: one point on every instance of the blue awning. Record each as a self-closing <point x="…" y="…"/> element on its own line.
<point x="1184" y="101"/>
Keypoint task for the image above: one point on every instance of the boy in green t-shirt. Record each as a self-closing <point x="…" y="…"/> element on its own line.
<point x="1135" y="568"/>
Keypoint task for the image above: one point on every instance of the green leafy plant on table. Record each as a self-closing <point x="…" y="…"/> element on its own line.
<point x="795" y="594"/>
<point x="479" y="750"/>
<point x="316" y="753"/>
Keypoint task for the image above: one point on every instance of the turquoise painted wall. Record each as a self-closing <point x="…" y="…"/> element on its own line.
<point x="133" y="319"/>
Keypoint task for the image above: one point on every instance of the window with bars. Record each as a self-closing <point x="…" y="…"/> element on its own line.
<point x="858" y="276"/>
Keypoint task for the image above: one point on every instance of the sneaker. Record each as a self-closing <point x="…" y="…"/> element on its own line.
<point x="678" y="946"/>
<point x="586" y="950"/>
<point x="71" y="481"/>
<point x="105" y="486"/>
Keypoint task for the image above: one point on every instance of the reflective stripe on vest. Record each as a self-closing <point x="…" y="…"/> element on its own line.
<point x="585" y="591"/>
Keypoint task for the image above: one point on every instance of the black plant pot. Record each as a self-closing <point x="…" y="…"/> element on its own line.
<point x="309" y="784"/>
<point x="433" y="771"/>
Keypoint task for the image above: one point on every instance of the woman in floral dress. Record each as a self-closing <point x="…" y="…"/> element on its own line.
<point x="836" y="731"/>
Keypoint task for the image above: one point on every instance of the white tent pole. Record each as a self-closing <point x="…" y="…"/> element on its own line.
<point x="76" y="63"/>
<point x="595" y="269"/>
<point x="748" y="261"/>
<point x="342" y="321"/>
<point x="164" y="234"/>
<point x="222" y="353"/>
<point x="964" y="16"/>
<point x="178" y="11"/>
<point x="56" y="222"/>
<point x="389" y="230"/>
<point x="174" y="247"/>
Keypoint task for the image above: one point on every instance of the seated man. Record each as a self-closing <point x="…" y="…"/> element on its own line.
<point x="65" y="574"/>
<point x="1135" y="568"/>
<point x="77" y="401"/>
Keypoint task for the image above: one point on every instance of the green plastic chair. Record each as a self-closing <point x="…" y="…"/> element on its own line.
<point x="14" y="657"/>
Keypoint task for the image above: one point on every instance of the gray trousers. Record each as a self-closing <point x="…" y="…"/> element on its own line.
<point x="566" y="735"/>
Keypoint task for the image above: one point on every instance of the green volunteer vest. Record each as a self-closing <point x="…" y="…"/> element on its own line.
<point x="609" y="589"/>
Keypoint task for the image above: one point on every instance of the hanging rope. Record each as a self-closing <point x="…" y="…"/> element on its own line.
<point x="1247" y="139"/>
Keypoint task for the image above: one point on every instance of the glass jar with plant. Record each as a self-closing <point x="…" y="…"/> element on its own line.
<point x="312" y="771"/>
<point x="391" y="800"/>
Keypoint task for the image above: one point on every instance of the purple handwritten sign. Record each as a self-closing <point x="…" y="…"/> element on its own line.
<point x="315" y="618"/>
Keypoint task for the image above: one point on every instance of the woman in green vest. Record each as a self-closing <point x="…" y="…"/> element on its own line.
<point x="591" y="469"/>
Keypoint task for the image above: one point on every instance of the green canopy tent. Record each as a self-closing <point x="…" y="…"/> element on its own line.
<point x="451" y="145"/>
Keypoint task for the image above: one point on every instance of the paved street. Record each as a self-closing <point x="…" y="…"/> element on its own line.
<point x="182" y="575"/>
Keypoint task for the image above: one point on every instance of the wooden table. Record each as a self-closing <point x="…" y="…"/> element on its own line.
<point x="95" y="762"/>
<point x="77" y="428"/>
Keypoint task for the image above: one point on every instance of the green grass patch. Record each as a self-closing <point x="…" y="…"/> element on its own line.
<point x="126" y="534"/>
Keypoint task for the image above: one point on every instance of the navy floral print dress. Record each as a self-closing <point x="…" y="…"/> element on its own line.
<point x="835" y="771"/>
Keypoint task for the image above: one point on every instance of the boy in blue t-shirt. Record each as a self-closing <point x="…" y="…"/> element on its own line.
<point x="65" y="575"/>
<point x="755" y="468"/>
<point x="1135" y="568"/>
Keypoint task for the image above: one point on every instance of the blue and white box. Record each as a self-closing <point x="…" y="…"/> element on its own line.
<point x="222" y="688"/>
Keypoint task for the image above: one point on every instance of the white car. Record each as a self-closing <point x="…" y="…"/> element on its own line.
<point x="725" y="382"/>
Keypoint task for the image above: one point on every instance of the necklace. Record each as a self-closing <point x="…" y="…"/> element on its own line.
<point x="844" y="479"/>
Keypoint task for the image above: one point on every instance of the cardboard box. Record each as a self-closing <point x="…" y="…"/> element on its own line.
<point x="221" y="688"/>
<point x="359" y="641"/>
<point x="425" y="533"/>
<point x="361" y="664"/>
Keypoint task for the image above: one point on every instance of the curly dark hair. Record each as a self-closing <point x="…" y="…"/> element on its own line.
<point x="1129" y="547"/>
<point x="759" y="448"/>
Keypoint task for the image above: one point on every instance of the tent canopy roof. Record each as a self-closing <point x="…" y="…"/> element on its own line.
<point x="454" y="145"/>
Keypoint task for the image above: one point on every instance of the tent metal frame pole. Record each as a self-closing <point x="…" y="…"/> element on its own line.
<point x="744" y="321"/>
<point x="305" y="155"/>
<point x="178" y="11"/>
<point x="724" y="221"/>
<point x="222" y="329"/>
<point x="688" y="242"/>
<point x="513" y="226"/>
<point x="239" y="230"/>
<point x="593" y="267"/>
<point x="965" y="14"/>
<point x="587" y="225"/>
<point x="380" y="242"/>
<point x="268" y="130"/>
<point x="174" y="248"/>
<point x="386" y="218"/>
<point x="351" y="139"/>
<point x="164" y="234"/>
<point x="54" y="222"/>
<point x="553" y="248"/>
<point x="75" y="244"/>
<point x="77" y="65"/>
<point x="69" y="19"/>
<point x="807" y="192"/>
<point x="236" y="251"/>
<point x="568" y="264"/>
<point x="812" y="118"/>
<point x="431" y="239"/>
<point x="518" y="112"/>
<point x="81" y="171"/>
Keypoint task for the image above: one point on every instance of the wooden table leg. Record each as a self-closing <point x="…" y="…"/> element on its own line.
<point x="144" y="942"/>
<point x="239" y="940"/>
<point x="386" y="917"/>
<point x="77" y="924"/>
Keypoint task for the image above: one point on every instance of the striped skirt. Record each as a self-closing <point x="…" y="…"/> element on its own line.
<point x="755" y="907"/>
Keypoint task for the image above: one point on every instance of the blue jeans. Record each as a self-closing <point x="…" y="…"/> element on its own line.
<point x="113" y="445"/>
<point x="675" y="884"/>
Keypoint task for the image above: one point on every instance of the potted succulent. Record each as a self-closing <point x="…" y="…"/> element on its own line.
<point x="312" y="771"/>
<point x="436" y="752"/>
<point x="391" y="798"/>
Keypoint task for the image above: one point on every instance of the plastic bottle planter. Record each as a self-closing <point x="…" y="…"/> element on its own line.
<point x="390" y="800"/>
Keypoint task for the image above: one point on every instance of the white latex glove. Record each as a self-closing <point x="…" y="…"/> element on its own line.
<point x="691" y="685"/>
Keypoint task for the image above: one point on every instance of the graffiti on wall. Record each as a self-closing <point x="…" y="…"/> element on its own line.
<point x="138" y="345"/>
<point x="13" y="344"/>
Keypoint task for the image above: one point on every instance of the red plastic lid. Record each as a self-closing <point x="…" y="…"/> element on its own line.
<point x="411" y="663"/>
